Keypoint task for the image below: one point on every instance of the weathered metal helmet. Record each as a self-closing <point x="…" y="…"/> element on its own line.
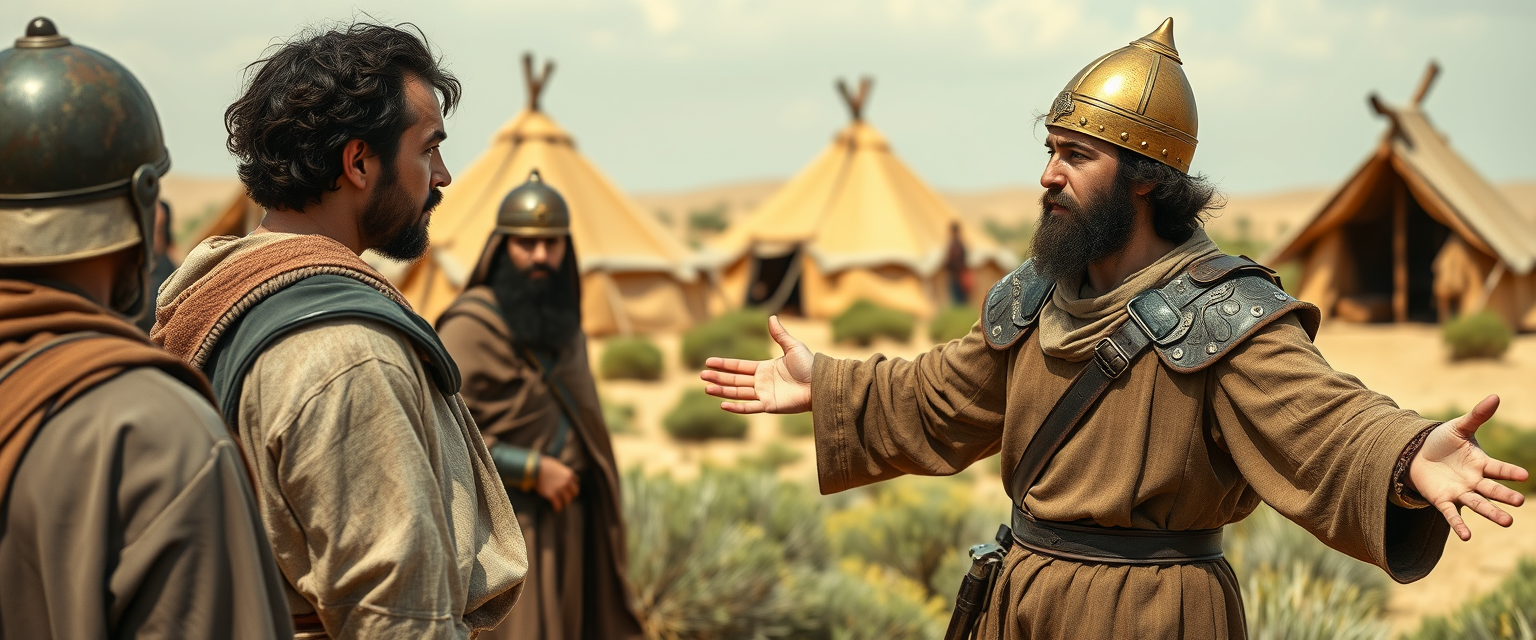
<point x="534" y="209"/>
<point x="81" y="154"/>
<point x="1135" y="97"/>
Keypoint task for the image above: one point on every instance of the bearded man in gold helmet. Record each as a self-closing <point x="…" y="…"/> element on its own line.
<point x="125" y="508"/>
<point x="516" y="335"/>
<point x="1144" y="390"/>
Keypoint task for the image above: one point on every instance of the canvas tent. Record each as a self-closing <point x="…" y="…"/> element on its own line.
<point x="1416" y="235"/>
<point x="855" y="223"/>
<point x="635" y="276"/>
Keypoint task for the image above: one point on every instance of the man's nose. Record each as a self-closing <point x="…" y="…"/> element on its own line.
<point x="1052" y="178"/>
<point x="540" y="252"/>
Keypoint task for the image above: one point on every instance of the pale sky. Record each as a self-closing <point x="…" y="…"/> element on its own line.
<point x="676" y="94"/>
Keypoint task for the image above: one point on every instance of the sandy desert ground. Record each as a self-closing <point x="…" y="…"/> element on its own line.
<point x="1405" y="362"/>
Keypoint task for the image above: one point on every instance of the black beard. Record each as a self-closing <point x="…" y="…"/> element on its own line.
<point x="540" y="312"/>
<point x="402" y="223"/>
<point x="1065" y="244"/>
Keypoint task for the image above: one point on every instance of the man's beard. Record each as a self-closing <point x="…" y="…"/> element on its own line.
<point x="1065" y="244"/>
<point x="542" y="312"/>
<point x="400" y="221"/>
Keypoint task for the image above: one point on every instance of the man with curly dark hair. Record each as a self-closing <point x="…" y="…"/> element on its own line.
<point x="1143" y="390"/>
<point x="380" y="499"/>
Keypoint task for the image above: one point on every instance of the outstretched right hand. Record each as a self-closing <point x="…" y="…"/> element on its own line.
<point x="781" y="385"/>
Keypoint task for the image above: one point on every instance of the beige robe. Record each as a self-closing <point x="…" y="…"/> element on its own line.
<point x="577" y="585"/>
<point x="130" y="517"/>
<point x="1271" y="421"/>
<point x="381" y="502"/>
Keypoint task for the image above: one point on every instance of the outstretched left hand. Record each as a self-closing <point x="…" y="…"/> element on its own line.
<point x="1451" y="472"/>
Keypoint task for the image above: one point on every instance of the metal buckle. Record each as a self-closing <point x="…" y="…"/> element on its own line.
<point x="1110" y="358"/>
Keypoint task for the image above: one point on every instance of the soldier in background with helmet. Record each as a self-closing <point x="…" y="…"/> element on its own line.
<point x="127" y="510"/>
<point x="516" y="334"/>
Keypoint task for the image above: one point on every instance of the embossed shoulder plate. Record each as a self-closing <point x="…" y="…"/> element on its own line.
<point x="1223" y="316"/>
<point x="1013" y="304"/>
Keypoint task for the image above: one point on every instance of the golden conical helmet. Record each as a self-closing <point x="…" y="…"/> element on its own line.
<point x="534" y="209"/>
<point x="1136" y="97"/>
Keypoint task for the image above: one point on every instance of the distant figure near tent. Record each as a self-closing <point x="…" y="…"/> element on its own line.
<point x="961" y="280"/>
<point x="1416" y="235"/>
<point x="855" y="223"/>
<point x="635" y="276"/>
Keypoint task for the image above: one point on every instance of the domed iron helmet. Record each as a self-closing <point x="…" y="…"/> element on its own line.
<point x="81" y="155"/>
<point x="534" y="209"/>
<point x="1135" y="97"/>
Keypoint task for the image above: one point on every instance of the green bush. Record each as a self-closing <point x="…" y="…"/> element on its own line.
<point x="699" y="417"/>
<point x="1480" y="335"/>
<point x="633" y="358"/>
<point x="1295" y="603"/>
<point x="952" y="323"/>
<point x="1506" y="442"/>
<point x="797" y="425"/>
<point x="739" y="334"/>
<point x="771" y="458"/>
<point x="619" y="418"/>
<point x="864" y="321"/>
<point x="856" y="601"/>
<point x="1509" y="612"/>
<point x="916" y="526"/>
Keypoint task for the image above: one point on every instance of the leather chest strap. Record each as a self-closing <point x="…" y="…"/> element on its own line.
<point x="1111" y="357"/>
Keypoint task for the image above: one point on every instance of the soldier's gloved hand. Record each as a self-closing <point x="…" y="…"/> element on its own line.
<point x="781" y="385"/>
<point x="1451" y="472"/>
<point x="557" y="483"/>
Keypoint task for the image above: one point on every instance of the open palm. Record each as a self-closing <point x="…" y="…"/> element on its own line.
<point x="781" y="385"/>
<point x="1451" y="472"/>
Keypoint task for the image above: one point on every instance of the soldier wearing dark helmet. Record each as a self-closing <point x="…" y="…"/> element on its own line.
<point x="516" y="335"/>
<point x="125" y="507"/>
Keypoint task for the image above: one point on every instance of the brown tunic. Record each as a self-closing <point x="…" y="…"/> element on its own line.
<point x="576" y="585"/>
<point x="1272" y="421"/>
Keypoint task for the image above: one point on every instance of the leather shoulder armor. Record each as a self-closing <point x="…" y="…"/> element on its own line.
<point x="1199" y="316"/>
<point x="1013" y="304"/>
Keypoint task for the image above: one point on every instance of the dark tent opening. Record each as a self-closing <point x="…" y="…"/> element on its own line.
<point x="775" y="284"/>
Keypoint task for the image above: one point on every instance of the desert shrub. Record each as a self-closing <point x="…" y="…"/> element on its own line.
<point x="1480" y="335"/>
<point x="771" y="458"/>
<point x="1506" y="442"/>
<point x="1265" y="539"/>
<point x="632" y="358"/>
<point x="915" y="526"/>
<point x="701" y="567"/>
<point x="1509" y="612"/>
<point x="708" y="220"/>
<point x="797" y="425"/>
<point x="858" y="601"/>
<point x="619" y="417"/>
<point x="739" y="334"/>
<point x="699" y="417"/>
<point x="1293" y="603"/>
<point x="952" y="323"/>
<point x="863" y="321"/>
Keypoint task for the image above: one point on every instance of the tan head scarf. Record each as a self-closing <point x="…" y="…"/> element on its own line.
<point x="1070" y="326"/>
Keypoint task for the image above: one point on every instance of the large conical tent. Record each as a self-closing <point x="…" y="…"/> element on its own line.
<point x="635" y="276"/>
<point x="855" y="223"/>
<point x="1417" y="235"/>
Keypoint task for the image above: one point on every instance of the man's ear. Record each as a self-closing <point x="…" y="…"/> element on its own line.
<point x="1141" y="189"/>
<point x="353" y="163"/>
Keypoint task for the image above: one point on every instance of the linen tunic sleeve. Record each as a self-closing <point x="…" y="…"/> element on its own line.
<point x="355" y="469"/>
<point x="1321" y="448"/>
<point x="933" y="415"/>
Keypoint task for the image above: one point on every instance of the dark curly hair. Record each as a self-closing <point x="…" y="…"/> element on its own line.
<point x="1180" y="202"/>
<point x="316" y="93"/>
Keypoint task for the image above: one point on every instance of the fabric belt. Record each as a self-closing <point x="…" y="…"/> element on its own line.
<point x="1115" y="545"/>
